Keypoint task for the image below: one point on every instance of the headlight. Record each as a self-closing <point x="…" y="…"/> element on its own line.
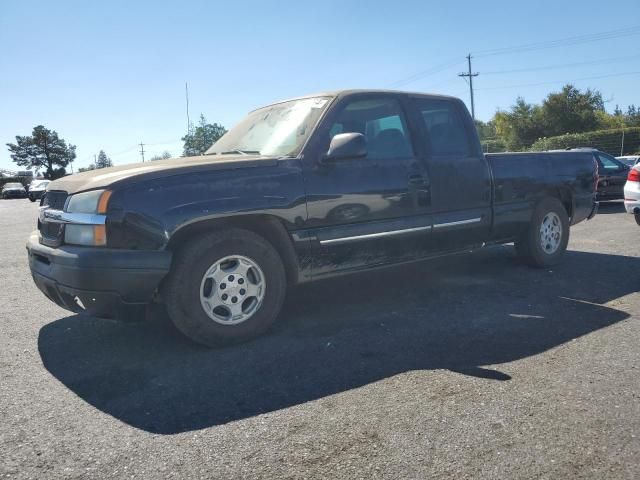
<point x="89" y="235"/>
<point x="94" y="201"/>
<point x="85" y="216"/>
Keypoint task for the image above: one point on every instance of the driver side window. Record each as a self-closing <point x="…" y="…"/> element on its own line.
<point x="382" y="123"/>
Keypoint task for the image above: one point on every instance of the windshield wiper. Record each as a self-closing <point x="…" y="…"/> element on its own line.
<point x="241" y="152"/>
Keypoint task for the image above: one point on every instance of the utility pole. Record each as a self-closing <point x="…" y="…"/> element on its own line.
<point x="186" y="92"/>
<point x="142" y="151"/>
<point x="470" y="75"/>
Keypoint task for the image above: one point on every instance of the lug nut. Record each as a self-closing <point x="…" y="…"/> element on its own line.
<point x="241" y="281"/>
<point x="225" y="296"/>
<point x="242" y="291"/>
<point x="234" y="299"/>
<point x="223" y="286"/>
<point x="231" y="278"/>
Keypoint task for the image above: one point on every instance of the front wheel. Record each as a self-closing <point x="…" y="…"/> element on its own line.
<point x="225" y="287"/>
<point x="546" y="238"/>
<point x="31" y="197"/>
<point x="637" y="217"/>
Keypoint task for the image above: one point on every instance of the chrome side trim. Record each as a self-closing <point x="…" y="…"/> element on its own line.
<point x="58" y="216"/>
<point x="459" y="222"/>
<point x="334" y="241"/>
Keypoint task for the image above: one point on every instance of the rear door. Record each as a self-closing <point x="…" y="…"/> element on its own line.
<point x="372" y="210"/>
<point x="459" y="174"/>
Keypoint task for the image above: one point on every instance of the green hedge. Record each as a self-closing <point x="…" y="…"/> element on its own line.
<point x="609" y="141"/>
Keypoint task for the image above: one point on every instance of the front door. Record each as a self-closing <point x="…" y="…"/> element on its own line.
<point x="371" y="210"/>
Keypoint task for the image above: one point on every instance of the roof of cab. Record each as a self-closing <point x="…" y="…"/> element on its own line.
<point x="360" y="91"/>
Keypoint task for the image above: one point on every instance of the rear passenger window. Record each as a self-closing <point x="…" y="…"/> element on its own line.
<point x="381" y="122"/>
<point x="447" y="133"/>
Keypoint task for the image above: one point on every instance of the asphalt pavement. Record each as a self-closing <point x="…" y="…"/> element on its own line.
<point x="473" y="366"/>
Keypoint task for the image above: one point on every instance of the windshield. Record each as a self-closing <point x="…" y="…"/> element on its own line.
<point x="40" y="185"/>
<point x="13" y="185"/>
<point x="279" y="129"/>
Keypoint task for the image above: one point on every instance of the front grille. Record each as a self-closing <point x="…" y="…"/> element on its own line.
<point x="54" y="199"/>
<point x="50" y="230"/>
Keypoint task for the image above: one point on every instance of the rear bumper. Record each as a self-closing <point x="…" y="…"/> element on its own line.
<point x="107" y="283"/>
<point x="632" y="197"/>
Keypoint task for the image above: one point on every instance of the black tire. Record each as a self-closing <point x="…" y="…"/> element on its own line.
<point x="181" y="290"/>
<point x="637" y="217"/>
<point x="530" y="246"/>
<point x="32" y="199"/>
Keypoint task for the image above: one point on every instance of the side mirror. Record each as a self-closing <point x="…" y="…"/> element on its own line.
<point x="347" y="145"/>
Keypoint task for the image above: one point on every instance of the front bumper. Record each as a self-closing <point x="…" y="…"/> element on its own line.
<point x="14" y="194"/>
<point x="102" y="282"/>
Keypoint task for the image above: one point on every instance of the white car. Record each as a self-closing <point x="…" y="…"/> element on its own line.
<point x="629" y="160"/>
<point x="632" y="192"/>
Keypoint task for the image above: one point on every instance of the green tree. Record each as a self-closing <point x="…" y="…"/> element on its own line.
<point x="520" y="126"/>
<point x="103" y="161"/>
<point x="571" y="111"/>
<point x="43" y="149"/>
<point x="201" y="137"/>
<point x="486" y="130"/>
<point x="163" y="156"/>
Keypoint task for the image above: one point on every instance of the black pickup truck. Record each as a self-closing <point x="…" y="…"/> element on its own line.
<point x="299" y="190"/>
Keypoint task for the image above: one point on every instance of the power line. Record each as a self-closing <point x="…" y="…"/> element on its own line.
<point x="576" y="40"/>
<point x="470" y="76"/>
<point x="562" y="42"/>
<point x="142" y="151"/>
<point x="563" y="65"/>
<point x="559" y="81"/>
<point x="424" y="73"/>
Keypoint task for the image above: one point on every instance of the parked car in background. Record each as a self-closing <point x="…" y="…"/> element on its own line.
<point x="37" y="189"/>
<point x="13" y="190"/>
<point x="632" y="192"/>
<point x="629" y="160"/>
<point x="612" y="174"/>
<point x="299" y="190"/>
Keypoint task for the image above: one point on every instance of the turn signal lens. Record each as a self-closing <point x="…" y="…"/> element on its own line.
<point x="634" y="175"/>
<point x="103" y="202"/>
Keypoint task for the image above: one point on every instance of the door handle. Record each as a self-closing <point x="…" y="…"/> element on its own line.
<point x="416" y="179"/>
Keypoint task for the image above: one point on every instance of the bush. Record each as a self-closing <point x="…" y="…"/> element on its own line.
<point x="609" y="141"/>
<point x="493" y="146"/>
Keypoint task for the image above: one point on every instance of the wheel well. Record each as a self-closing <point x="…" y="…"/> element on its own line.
<point x="267" y="226"/>
<point x="565" y="197"/>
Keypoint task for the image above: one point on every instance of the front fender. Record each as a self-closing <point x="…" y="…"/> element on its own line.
<point x="150" y="213"/>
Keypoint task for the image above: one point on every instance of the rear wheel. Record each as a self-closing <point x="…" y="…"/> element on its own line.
<point x="637" y="217"/>
<point x="546" y="239"/>
<point x="225" y="287"/>
<point x="32" y="198"/>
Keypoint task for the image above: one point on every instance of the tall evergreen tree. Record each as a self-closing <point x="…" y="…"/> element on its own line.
<point x="43" y="149"/>
<point x="201" y="137"/>
<point x="103" y="161"/>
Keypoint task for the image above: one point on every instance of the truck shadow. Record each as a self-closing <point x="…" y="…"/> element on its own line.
<point x="460" y="313"/>
<point x="606" y="208"/>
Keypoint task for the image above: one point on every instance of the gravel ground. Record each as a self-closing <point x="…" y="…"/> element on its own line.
<point x="472" y="366"/>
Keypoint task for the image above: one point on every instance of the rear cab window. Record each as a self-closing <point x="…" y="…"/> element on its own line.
<point x="444" y="126"/>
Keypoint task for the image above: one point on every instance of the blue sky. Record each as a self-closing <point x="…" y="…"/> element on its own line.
<point x="108" y="75"/>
